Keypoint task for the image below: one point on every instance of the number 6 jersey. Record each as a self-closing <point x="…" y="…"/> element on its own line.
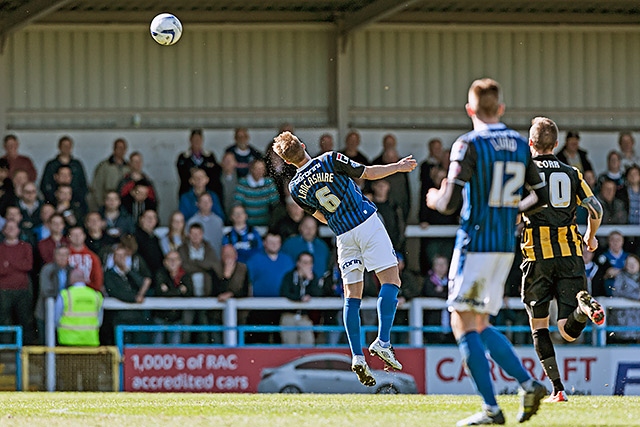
<point x="324" y="184"/>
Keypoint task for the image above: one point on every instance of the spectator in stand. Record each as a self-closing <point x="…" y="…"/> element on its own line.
<point x="47" y="247"/>
<point x="201" y="262"/>
<point x="80" y="256"/>
<point x="389" y="142"/>
<point x="16" y="299"/>
<point x="117" y="220"/>
<point x="572" y="154"/>
<point x="279" y="171"/>
<point x="109" y="173"/>
<point x="243" y="151"/>
<point x="26" y="235"/>
<point x="288" y="226"/>
<point x="613" y="173"/>
<point x="229" y="181"/>
<point x="211" y="223"/>
<point x="7" y="194"/>
<point x="19" y="178"/>
<point x="325" y="143"/>
<point x="70" y="211"/>
<point x="436" y="285"/>
<point x="42" y="231"/>
<point x="175" y="234"/>
<point x="30" y="205"/>
<point x="98" y="241"/>
<point x="389" y="211"/>
<point x="63" y="177"/>
<point x="615" y="256"/>
<point x="79" y="313"/>
<point x="197" y="157"/>
<point x="614" y="210"/>
<point x="189" y="201"/>
<point x="632" y="187"/>
<point x="77" y="176"/>
<point x="308" y="241"/>
<point x="171" y="281"/>
<point x="434" y="160"/>
<point x="627" y="285"/>
<point x="135" y="263"/>
<point x="17" y="161"/>
<point x="136" y="175"/>
<point x="233" y="280"/>
<point x="148" y="243"/>
<point x="54" y="277"/>
<point x="595" y="272"/>
<point x="266" y="271"/>
<point x="401" y="194"/>
<point x="351" y="146"/>
<point x="626" y="141"/>
<point x="300" y="285"/>
<point x="139" y="199"/>
<point x="243" y="237"/>
<point x="257" y="194"/>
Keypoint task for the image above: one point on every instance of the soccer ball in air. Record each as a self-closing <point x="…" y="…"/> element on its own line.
<point x="166" y="29"/>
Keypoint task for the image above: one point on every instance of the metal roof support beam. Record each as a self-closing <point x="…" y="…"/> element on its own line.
<point x="372" y="13"/>
<point x="27" y="13"/>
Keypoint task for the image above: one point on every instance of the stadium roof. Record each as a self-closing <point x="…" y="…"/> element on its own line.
<point x="348" y="15"/>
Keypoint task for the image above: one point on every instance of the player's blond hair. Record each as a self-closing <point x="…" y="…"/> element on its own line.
<point x="543" y="134"/>
<point x="289" y="147"/>
<point x="485" y="97"/>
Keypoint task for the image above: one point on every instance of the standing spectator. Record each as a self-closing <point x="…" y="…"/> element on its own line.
<point x="288" y="226"/>
<point x="233" y="280"/>
<point x="171" y="281"/>
<point x="389" y="142"/>
<point x="573" y="155"/>
<point x="211" y="223"/>
<point x="615" y="256"/>
<point x="109" y="173"/>
<point x="243" y="237"/>
<point x="401" y="194"/>
<point x="189" y="201"/>
<point x="433" y="160"/>
<point x="229" y="180"/>
<point x="54" y="277"/>
<point x="266" y="271"/>
<point x="136" y="175"/>
<point x="16" y="300"/>
<point x="26" y="235"/>
<point x="258" y="194"/>
<point x="197" y="157"/>
<point x="79" y="313"/>
<point x="390" y="212"/>
<point x="325" y="143"/>
<point x="64" y="176"/>
<point x="148" y="243"/>
<point x="135" y="263"/>
<point x="139" y="199"/>
<point x="632" y="185"/>
<point x="30" y="205"/>
<point x="595" y="272"/>
<point x="243" y="151"/>
<point x="65" y="206"/>
<point x="7" y="194"/>
<point x="614" y="171"/>
<point x="308" y="241"/>
<point x="175" y="234"/>
<point x="301" y="285"/>
<point x="97" y="240"/>
<point x="613" y="209"/>
<point x="78" y="177"/>
<point x="626" y="141"/>
<point x="17" y="161"/>
<point x="436" y="285"/>
<point x="42" y="231"/>
<point x="627" y="285"/>
<point x="351" y="148"/>
<point x="81" y="257"/>
<point x="117" y="220"/>
<point x="47" y="247"/>
<point x="19" y="178"/>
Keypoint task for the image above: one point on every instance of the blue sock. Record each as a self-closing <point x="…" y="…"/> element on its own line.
<point x="387" y="304"/>
<point x="501" y="350"/>
<point x="351" y="316"/>
<point x="477" y="364"/>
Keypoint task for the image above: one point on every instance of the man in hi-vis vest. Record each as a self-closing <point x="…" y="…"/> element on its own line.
<point x="79" y="313"/>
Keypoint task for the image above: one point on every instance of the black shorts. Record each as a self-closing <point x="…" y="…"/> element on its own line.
<point x="543" y="280"/>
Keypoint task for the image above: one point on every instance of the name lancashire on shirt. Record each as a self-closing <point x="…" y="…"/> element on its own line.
<point x="308" y="178"/>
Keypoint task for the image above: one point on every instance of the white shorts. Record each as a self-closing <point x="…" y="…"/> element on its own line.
<point x="366" y="246"/>
<point x="478" y="281"/>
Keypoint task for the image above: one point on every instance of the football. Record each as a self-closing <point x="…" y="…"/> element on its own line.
<point x="166" y="29"/>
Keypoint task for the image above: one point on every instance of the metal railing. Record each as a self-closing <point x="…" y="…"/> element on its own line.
<point x="16" y="346"/>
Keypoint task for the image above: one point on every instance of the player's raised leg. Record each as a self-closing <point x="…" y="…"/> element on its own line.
<point x="387" y="304"/>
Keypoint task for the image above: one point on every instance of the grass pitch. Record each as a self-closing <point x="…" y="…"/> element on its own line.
<point x="255" y="410"/>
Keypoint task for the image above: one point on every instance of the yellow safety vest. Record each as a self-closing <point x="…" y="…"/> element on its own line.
<point x="79" y="324"/>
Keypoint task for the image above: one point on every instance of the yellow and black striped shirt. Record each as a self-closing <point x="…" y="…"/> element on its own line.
<point x="552" y="231"/>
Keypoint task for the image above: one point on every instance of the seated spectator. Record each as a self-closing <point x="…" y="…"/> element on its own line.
<point x="613" y="173"/>
<point x="109" y="173"/>
<point x="390" y="212"/>
<point x="615" y="256"/>
<point x="78" y="313"/>
<point x="614" y="210"/>
<point x="42" y="231"/>
<point x="7" y="194"/>
<point x="244" y="238"/>
<point x="118" y="221"/>
<point x="189" y="201"/>
<point x="573" y="155"/>
<point x="301" y="285"/>
<point x="98" y="241"/>
<point x="197" y="157"/>
<point x="16" y="300"/>
<point x="258" y="194"/>
<point x="16" y="160"/>
<point x="139" y="199"/>
<point x="54" y="277"/>
<point x="70" y="211"/>
<point x="148" y="243"/>
<point x="134" y="176"/>
<point x="288" y="226"/>
<point x="243" y="152"/>
<point x="626" y="285"/>
<point x="266" y="271"/>
<point x="632" y="187"/>
<point x="64" y="163"/>
<point x="229" y="181"/>
<point x="211" y="223"/>
<point x="308" y="241"/>
<point x="171" y="281"/>
<point x="233" y="280"/>
<point x="47" y="247"/>
<point x="80" y="256"/>
<point x="175" y="235"/>
<point x="626" y="142"/>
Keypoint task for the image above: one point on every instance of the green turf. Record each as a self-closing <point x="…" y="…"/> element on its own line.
<point x="255" y="410"/>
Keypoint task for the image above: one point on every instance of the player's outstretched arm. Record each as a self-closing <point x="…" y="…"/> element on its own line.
<point x="374" y="172"/>
<point x="594" y="208"/>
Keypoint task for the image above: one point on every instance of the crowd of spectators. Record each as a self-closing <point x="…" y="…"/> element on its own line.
<point x="107" y="228"/>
